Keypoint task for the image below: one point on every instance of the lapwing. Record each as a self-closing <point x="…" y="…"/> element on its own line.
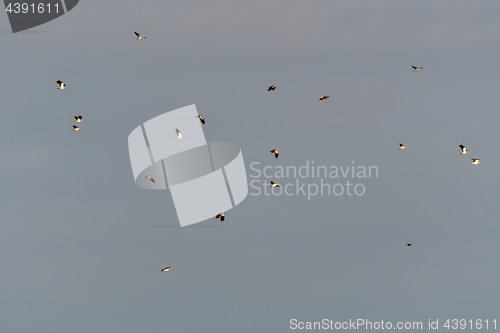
<point x="166" y="269"/>
<point x="76" y="128"/>
<point x="464" y="150"/>
<point x="150" y="178"/>
<point x="401" y="146"/>
<point x="139" y="36"/>
<point x="271" y="88"/>
<point x="179" y="135"/>
<point x="220" y="216"/>
<point x="61" y="85"/>
<point x="416" y="69"/>
<point x="202" y="119"/>
<point x="275" y="152"/>
<point x="475" y="161"/>
<point x="322" y="98"/>
<point x="78" y="119"/>
<point x="273" y="184"/>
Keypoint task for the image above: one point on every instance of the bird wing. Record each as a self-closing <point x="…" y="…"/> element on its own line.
<point x="218" y="216"/>
<point x="222" y="218"/>
<point x="59" y="82"/>
<point x="138" y="35"/>
<point x="202" y="121"/>
<point x="276" y="155"/>
<point x="413" y="67"/>
<point x="75" y="127"/>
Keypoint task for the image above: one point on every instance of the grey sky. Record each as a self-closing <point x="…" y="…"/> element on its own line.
<point x="81" y="246"/>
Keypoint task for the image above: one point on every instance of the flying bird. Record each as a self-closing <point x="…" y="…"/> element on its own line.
<point x="166" y="269"/>
<point x="202" y="119"/>
<point x="61" y="85"/>
<point x="275" y="152"/>
<point x="322" y="98"/>
<point x="76" y="128"/>
<point x="179" y="135"/>
<point x="273" y="184"/>
<point x="220" y="216"/>
<point x="401" y="146"/>
<point x="475" y="161"/>
<point x="150" y="178"/>
<point x="416" y="69"/>
<point x="78" y="119"/>
<point x="139" y="36"/>
<point x="271" y="88"/>
<point x="408" y="244"/>
<point x="464" y="150"/>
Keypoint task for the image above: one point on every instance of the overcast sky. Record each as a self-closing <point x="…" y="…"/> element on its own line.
<point x="81" y="246"/>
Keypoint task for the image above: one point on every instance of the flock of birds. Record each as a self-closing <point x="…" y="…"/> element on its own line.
<point x="464" y="151"/>
<point x="78" y="119"/>
<point x="475" y="161"/>
<point x="221" y="216"/>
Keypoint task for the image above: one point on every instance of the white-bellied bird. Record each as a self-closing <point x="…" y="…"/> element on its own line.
<point x="139" y="36"/>
<point x="61" y="85"/>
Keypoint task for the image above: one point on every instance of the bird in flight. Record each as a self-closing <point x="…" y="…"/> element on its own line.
<point x="220" y="216"/>
<point x="76" y="128"/>
<point x="275" y="152"/>
<point x="464" y="150"/>
<point x="61" y="85"/>
<point x="271" y="88"/>
<point x="150" y="178"/>
<point x="139" y="36"/>
<point x="322" y="98"/>
<point x="273" y="184"/>
<point x="408" y="244"/>
<point x="179" y="135"/>
<point x="416" y="69"/>
<point x="78" y="119"/>
<point x="401" y="146"/>
<point x="475" y="161"/>
<point x="166" y="269"/>
<point x="202" y="119"/>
